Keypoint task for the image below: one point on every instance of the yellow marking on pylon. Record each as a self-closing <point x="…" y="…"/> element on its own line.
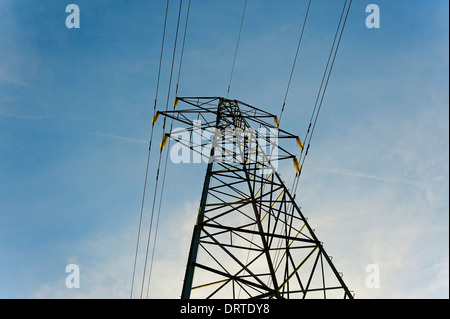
<point x="155" y="118"/>
<point x="163" y="142"/>
<point x="299" y="142"/>
<point x="298" y="168"/>
<point x="277" y="122"/>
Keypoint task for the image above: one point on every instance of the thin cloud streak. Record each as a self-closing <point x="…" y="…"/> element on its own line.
<point x="4" y="77"/>
<point x="364" y="175"/>
<point x="24" y="117"/>
<point x="118" y="137"/>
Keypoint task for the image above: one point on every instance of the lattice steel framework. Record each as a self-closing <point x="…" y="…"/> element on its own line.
<point x="250" y="240"/>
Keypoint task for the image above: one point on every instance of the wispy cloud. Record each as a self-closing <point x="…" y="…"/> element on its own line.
<point x="119" y="137"/>
<point x="357" y="174"/>
<point x="106" y="261"/>
<point x="7" y="78"/>
<point x="23" y="116"/>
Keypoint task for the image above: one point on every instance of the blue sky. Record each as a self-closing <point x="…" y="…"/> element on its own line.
<point x="75" y="113"/>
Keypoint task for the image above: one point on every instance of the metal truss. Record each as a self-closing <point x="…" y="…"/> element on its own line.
<point x="251" y="240"/>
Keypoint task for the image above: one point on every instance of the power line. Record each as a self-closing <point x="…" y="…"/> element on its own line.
<point x="323" y="87"/>
<point x="151" y="224"/>
<point x="173" y="58"/>
<point x="167" y="154"/>
<point x="149" y="150"/>
<point x="157" y="216"/>
<point x="161" y="149"/>
<point x="237" y="46"/>
<point x="182" y="47"/>
<point x="295" y="60"/>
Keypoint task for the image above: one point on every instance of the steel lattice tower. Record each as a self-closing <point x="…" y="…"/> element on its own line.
<point x="250" y="239"/>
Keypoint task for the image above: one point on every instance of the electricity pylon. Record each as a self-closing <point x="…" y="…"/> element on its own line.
<point x="250" y="239"/>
